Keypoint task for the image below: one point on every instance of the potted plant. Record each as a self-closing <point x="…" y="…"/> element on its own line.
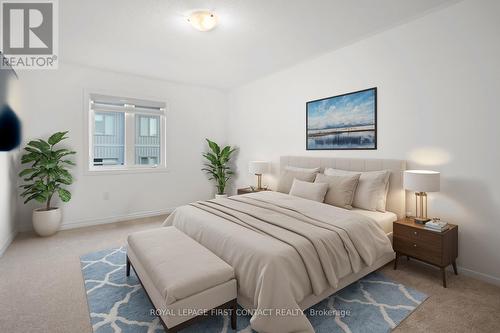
<point x="217" y="166"/>
<point x="45" y="176"/>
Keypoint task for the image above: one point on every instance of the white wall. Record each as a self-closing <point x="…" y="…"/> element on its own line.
<point x="8" y="199"/>
<point x="8" y="172"/>
<point x="438" y="80"/>
<point x="55" y="103"/>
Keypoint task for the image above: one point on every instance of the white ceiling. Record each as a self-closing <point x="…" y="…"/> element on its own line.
<point x="254" y="37"/>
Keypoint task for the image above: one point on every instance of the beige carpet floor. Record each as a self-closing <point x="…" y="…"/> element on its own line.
<point x="41" y="286"/>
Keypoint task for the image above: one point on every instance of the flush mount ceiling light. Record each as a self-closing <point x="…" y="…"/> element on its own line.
<point x="203" y="20"/>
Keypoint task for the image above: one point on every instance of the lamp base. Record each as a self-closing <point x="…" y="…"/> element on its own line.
<point x="259" y="181"/>
<point x="419" y="220"/>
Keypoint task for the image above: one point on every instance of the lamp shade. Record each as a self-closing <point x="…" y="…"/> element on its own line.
<point x="258" y="167"/>
<point x="421" y="180"/>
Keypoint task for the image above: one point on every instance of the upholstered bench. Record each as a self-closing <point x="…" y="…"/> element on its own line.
<point x="183" y="279"/>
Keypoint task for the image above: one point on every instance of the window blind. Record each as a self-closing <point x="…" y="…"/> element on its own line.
<point x="118" y="104"/>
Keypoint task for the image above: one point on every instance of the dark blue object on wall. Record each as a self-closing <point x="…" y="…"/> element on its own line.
<point x="10" y="129"/>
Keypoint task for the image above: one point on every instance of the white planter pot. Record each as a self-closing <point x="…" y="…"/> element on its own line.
<point x="220" y="196"/>
<point x="47" y="222"/>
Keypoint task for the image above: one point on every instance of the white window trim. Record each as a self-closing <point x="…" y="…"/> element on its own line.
<point x="129" y="165"/>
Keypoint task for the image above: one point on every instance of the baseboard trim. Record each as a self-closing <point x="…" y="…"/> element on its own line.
<point x="114" y="219"/>
<point x="480" y="276"/>
<point x="8" y="241"/>
<point x="468" y="272"/>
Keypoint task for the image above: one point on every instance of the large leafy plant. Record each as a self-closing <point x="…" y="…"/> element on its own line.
<point x="47" y="172"/>
<point x="217" y="166"/>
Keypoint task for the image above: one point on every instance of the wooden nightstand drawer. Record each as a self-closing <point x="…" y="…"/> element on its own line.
<point x="424" y="238"/>
<point x="419" y="250"/>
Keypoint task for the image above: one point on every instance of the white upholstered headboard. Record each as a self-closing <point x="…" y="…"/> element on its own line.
<point x="396" y="195"/>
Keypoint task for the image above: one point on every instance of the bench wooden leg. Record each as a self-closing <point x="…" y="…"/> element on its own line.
<point x="234" y="307"/>
<point x="128" y="266"/>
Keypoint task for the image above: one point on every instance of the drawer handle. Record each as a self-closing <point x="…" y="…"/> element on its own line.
<point x="414" y="245"/>
<point x="415" y="233"/>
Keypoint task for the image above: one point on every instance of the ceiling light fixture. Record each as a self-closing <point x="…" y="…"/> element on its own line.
<point x="203" y="20"/>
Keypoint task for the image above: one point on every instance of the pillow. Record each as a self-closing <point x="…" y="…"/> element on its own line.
<point x="290" y="173"/>
<point x="341" y="189"/>
<point x="371" y="193"/>
<point x="307" y="190"/>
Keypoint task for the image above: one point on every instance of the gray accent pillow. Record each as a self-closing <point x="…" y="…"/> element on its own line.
<point x="307" y="190"/>
<point x="341" y="189"/>
<point x="289" y="174"/>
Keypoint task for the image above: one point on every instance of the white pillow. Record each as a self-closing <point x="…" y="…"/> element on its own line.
<point x="311" y="191"/>
<point x="371" y="193"/>
<point x="290" y="173"/>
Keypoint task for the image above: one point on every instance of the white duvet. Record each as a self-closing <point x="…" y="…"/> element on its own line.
<point x="282" y="249"/>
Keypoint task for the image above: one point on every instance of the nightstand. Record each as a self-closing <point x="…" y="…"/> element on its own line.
<point x="247" y="190"/>
<point x="436" y="248"/>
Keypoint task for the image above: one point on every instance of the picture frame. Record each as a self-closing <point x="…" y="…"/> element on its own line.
<point x="343" y="122"/>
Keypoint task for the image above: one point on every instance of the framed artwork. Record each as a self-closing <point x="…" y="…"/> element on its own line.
<point x="343" y="122"/>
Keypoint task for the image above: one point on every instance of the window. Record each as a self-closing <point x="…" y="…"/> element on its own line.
<point x="125" y="133"/>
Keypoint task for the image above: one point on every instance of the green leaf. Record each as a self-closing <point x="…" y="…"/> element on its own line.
<point x="32" y="150"/>
<point x="38" y="196"/>
<point x="63" y="152"/>
<point x="212" y="158"/>
<point x="225" y="151"/>
<point x="26" y="172"/>
<point x="49" y="164"/>
<point x="38" y="174"/>
<point x="42" y="145"/>
<point x="57" y="137"/>
<point x="41" y="198"/>
<point x="68" y="162"/>
<point x="64" y="195"/>
<point x="29" y="158"/>
<point x="28" y="191"/>
<point x="215" y="147"/>
<point x="64" y="180"/>
<point x="64" y="174"/>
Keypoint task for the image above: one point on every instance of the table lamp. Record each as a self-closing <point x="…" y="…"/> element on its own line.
<point x="421" y="182"/>
<point x="258" y="168"/>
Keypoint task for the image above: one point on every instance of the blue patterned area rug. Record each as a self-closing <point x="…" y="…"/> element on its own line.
<point x="118" y="303"/>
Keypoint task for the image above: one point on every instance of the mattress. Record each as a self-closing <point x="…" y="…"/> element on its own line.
<point x="383" y="219"/>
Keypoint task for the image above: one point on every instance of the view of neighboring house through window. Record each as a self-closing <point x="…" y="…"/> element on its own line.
<point x="147" y="143"/>
<point x="125" y="133"/>
<point x="104" y="124"/>
<point x="109" y="138"/>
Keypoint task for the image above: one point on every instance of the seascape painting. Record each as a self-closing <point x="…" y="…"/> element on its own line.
<point x="343" y="122"/>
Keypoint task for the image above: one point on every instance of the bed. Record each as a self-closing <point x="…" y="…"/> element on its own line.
<point x="290" y="253"/>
